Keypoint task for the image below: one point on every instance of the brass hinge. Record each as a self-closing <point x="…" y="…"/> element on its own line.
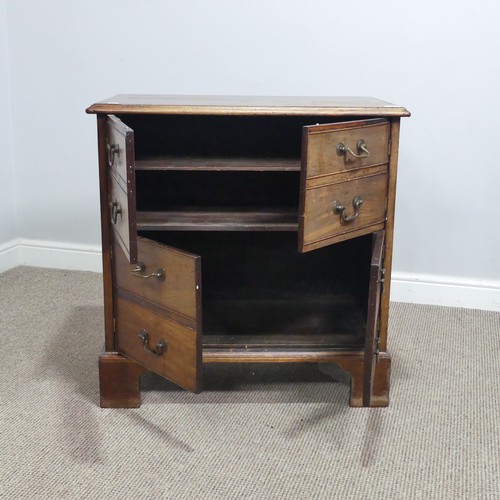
<point x="389" y="147"/>
<point x="114" y="325"/>
<point x="111" y="253"/>
<point x="382" y="279"/>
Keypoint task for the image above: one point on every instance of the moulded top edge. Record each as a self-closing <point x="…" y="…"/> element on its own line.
<point x="246" y="105"/>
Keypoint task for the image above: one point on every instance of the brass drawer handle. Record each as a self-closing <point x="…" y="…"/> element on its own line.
<point x="141" y="267"/>
<point x="160" y="348"/>
<point x="339" y="209"/>
<point x="112" y="149"/>
<point x="115" y="210"/>
<point x="342" y="149"/>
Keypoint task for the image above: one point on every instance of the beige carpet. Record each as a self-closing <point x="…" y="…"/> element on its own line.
<point x="259" y="432"/>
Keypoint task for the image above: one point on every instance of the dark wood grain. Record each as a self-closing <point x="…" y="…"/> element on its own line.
<point x="247" y="105"/>
<point x="107" y="280"/>
<point x="122" y="184"/>
<point x="181" y="361"/>
<point x="321" y="152"/>
<point x="178" y="293"/>
<point x="320" y="226"/>
<point x="353" y="364"/>
<point x="281" y="355"/>
<point x="198" y="163"/>
<point x="122" y="137"/>
<point x="265" y="266"/>
<point x="372" y="321"/>
<point x="119" y="381"/>
<point x="389" y="232"/>
<point x="220" y="178"/>
<point x="335" y="320"/>
<point x="245" y="191"/>
<point x="266" y="219"/>
<point x="125" y="224"/>
<point x="349" y="361"/>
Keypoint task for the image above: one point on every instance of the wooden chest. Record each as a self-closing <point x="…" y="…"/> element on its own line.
<point x="245" y="229"/>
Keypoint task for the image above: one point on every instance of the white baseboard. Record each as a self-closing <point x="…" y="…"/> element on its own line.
<point x="445" y="291"/>
<point x="50" y="254"/>
<point x="405" y="287"/>
<point x="9" y="255"/>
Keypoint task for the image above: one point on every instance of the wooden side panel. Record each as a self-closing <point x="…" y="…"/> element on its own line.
<point x="372" y="323"/>
<point x="389" y="232"/>
<point x="322" y="157"/>
<point x="109" y="343"/>
<point x="179" y="361"/>
<point x="178" y="292"/>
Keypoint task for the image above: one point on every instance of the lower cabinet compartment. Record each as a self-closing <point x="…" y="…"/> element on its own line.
<point x="259" y="293"/>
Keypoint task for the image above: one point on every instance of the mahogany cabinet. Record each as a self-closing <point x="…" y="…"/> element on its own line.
<point x="245" y="229"/>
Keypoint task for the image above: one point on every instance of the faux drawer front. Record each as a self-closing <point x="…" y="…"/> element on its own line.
<point x="164" y="275"/>
<point x="161" y="345"/>
<point x="123" y="217"/>
<point x="342" y="210"/>
<point x="119" y="148"/>
<point x="345" y="146"/>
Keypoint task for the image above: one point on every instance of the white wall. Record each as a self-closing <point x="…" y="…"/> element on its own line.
<point x="436" y="58"/>
<point x="8" y="230"/>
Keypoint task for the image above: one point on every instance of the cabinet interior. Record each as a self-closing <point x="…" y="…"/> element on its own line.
<point x="207" y="136"/>
<point x="258" y="291"/>
<point x="238" y="178"/>
<point x="228" y="200"/>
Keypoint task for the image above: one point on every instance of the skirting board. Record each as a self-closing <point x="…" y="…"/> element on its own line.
<point x="448" y="291"/>
<point x="50" y="254"/>
<point x="405" y="287"/>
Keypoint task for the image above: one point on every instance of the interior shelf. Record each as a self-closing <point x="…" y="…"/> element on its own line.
<point x="201" y="163"/>
<point x="219" y="219"/>
<point x="322" y="322"/>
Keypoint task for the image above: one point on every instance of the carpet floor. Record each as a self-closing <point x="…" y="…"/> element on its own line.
<point x="257" y="431"/>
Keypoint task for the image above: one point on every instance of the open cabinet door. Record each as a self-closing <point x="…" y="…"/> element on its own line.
<point x="372" y="323"/>
<point x="157" y="311"/>
<point x="343" y="185"/>
<point x="122" y="206"/>
<point x="156" y="288"/>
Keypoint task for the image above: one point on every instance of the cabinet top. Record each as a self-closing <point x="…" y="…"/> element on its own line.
<point x="246" y="105"/>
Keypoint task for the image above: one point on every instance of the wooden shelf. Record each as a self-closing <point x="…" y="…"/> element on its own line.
<point x="277" y="341"/>
<point x="242" y="164"/>
<point x="281" y="219"/>
<point x="332" y="322"/>
<point x="279" y="355"/>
